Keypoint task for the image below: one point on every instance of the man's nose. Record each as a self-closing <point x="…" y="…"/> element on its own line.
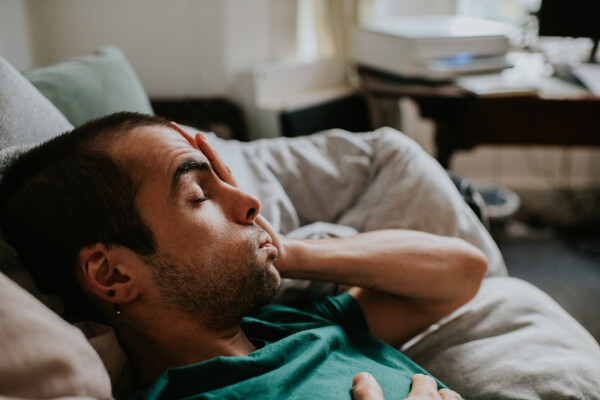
<point x="246" y="207"/>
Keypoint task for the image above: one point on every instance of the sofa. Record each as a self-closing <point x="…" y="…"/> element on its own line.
<point x="512" y="341"/>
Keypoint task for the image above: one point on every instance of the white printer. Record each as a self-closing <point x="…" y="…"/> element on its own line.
<point x="435" y="47"/>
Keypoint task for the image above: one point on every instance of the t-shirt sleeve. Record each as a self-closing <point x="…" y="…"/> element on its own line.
<point x="343" y="310"/>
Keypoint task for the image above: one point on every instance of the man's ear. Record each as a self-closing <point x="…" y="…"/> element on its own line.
<point x="107" y="274"/>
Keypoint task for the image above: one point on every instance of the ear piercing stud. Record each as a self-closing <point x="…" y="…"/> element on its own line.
<point x="111" y="293"/>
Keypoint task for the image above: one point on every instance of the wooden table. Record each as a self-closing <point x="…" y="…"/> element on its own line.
<point x="464" y="120"/>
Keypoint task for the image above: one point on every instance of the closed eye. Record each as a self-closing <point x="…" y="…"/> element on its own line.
<point x="201" y="199"/>
<point x="185" y="168"/>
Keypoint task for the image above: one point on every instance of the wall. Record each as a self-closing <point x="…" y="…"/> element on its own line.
<point x="15" y="34"/>
<point x="177" y="47"/>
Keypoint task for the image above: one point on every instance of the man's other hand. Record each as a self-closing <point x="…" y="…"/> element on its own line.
<point x="364" y="387"/>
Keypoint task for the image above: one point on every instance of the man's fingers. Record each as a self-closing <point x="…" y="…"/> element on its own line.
<point x="183" y="133"/>
<point x="201" y="144"/>
<point x="364" y="387"/>
<point x="448" y="394"/>
<point x="217" y="163"/>
<point x="423" y="386"/>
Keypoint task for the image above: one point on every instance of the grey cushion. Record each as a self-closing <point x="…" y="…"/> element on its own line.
<point x="27" y="117"/>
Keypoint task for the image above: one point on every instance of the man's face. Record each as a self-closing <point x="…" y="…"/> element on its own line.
<point x="212" y="261"/>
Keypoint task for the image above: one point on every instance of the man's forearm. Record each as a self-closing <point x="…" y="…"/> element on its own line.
<point x="414" y="266"/>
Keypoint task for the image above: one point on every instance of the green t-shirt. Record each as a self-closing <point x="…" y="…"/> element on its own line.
<point x="311" y="353"/>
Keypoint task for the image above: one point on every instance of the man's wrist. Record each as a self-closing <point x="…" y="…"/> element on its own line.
<point x="290" y="255"/>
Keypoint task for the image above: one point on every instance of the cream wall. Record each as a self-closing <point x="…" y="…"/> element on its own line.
<point x="177" y="47"/>
<point x="15" y="34"/>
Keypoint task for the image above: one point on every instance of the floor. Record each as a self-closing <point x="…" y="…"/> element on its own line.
<point x="563" y="262"/>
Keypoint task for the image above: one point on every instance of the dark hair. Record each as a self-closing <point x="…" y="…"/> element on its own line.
<point x="69" y="193"/>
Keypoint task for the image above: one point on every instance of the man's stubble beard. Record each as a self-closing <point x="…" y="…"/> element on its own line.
<point x="216" y="291"/>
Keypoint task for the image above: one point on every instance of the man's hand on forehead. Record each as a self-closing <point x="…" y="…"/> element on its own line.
<point x="184" y="133"/>
<point x="200" y="143"/>
<point x="223" y="171"/>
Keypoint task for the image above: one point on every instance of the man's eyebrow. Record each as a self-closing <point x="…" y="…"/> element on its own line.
<point x="184" y="167"/>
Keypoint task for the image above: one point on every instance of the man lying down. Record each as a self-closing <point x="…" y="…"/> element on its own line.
<point x="135" y="223"/>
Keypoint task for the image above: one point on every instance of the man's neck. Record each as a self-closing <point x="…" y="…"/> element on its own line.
<point x="153" y="351"/>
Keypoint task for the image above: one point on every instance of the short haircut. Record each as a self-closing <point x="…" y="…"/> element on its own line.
<point x="69" y="193"/>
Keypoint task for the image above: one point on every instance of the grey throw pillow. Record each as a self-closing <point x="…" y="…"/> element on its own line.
<point x="26" y="116"/>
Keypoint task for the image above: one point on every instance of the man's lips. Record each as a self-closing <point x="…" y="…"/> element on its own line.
<point x="267" y="242"/>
